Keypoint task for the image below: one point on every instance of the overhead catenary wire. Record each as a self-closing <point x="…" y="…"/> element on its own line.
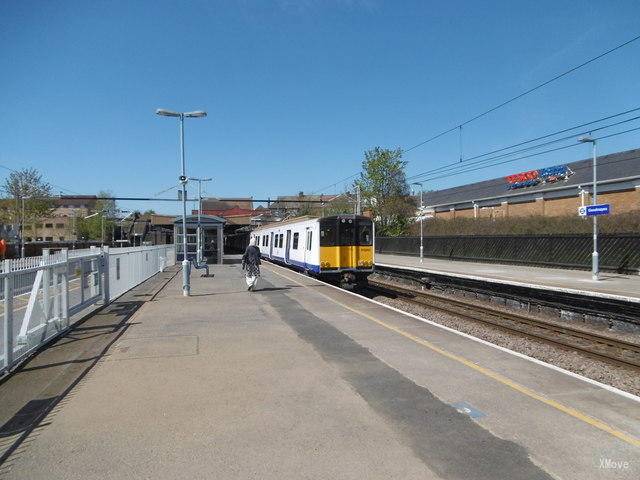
<point x="459" y="172"/>
<point x="456" y="165"/>
<point x="459" y="125"/>
<point x="525" y="142"/>
<point x="469" y="161"/>
<point x="520" y="95"/>
<point x="52" y="184"/>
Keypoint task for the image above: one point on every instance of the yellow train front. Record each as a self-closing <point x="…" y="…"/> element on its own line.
<point x="346" y="248"/>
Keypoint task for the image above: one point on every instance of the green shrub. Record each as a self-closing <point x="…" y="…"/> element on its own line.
<point x="620" y="223"/>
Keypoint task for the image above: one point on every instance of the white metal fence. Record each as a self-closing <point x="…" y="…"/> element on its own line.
<point x="40" y="294"/>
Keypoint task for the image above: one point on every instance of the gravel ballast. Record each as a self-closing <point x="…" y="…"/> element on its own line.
<point x="621" y="377"/>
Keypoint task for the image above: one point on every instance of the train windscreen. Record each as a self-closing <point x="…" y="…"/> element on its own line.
<point x="365" y="232"/>
<point x="328" y="233"/>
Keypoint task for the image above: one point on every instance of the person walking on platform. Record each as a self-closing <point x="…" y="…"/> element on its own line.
<point x="251" y="264"/>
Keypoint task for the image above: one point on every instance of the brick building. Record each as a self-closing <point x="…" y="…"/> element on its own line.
<point x="554" y="191"/>
<point x="61" y="225"/>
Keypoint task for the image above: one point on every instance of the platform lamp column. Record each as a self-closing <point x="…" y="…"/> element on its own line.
<point x="421" y="219"/>
<point x="199" y="229"/>
<point x="186" y="270"/>
<point x="595" y="266"/>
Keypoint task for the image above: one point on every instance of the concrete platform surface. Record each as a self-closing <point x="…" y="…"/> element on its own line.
<point x="610" y="285"/>
<point x="302" y="380"/>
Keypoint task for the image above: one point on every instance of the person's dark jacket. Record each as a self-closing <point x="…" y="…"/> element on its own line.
<point x="251" y="256"/>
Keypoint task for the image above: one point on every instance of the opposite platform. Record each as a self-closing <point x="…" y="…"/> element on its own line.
<point x="303" y="380"/>
<point x="611" y="285"/>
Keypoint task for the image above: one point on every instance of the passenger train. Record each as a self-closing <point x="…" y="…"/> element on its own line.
<point x="338" y="248"/>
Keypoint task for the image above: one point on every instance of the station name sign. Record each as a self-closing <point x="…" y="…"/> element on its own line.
<point x="593" y="210"/>
<point x="536" y="177"/>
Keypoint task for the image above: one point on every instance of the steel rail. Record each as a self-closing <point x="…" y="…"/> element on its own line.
<point x="602" y="347"/>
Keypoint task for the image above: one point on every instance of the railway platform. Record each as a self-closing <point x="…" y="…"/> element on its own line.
<point x="613" y="286"/>
<point x="300" y="379"/>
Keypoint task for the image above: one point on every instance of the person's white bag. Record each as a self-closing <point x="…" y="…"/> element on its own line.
<point x="251" y="281"/>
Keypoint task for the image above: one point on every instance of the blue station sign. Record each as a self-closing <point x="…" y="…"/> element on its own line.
<point x="593" y="210"/>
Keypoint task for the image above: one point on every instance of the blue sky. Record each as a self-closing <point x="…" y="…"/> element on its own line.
<point x="297" y="90"/>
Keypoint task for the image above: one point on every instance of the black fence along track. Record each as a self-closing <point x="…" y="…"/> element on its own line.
<point x="618" y="253"/>
<point x="612" y="312"/>
<point x="592" y="344"/>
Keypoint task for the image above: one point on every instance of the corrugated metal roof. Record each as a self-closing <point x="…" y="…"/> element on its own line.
<point x="610" y="167"/>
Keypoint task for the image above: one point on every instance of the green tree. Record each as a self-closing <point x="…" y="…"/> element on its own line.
<point x="27" y="193"/>
<point x="102" y="214"/>
<point x="385" y="192"/>
<point x="342" y="204"/>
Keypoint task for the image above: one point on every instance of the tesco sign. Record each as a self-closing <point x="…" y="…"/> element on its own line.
<point x="535" y="177"/>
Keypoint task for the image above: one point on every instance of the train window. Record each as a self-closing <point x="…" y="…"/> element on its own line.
<point x="347" y="232"/>
<point x="364" y="233"/>
<point x="281" y="240"/>
<point x="309" y="239"/>
<point x="296" y="235"/>
<point x="328" y="234"/>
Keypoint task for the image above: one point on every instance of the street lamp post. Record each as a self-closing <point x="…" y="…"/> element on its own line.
<point x="186" y="287"/>
<point x="421" y="219"/>
<point x="595" y="267"/>
<point x="198" y="231"/>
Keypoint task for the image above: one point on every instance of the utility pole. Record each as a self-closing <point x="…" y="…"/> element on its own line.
<point x="22" y="230"/>
<point x="358" y="207"/>
<point x="199" y="229"/>
<point x="595" y="266"/>
<point x="186" y="266"/>
<point x="421" y="219"/>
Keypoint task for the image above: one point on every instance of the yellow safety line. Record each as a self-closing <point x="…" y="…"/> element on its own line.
<point x="594" y="422"/>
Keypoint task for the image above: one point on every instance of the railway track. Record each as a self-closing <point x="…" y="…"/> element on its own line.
<point x="592" y="344"/>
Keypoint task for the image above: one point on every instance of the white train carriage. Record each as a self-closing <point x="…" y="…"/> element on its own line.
<point x="338" y="248"/>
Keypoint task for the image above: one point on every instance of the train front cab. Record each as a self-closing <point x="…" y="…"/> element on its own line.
<point x="346" y="248"/>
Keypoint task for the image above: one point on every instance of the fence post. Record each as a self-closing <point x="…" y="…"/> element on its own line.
<point x="95" y="272"/>
<point x="56" y="295"/>
<point x="64" y="296"/>
<point x="105" y="275"/>
<point x="46" y="279"/>
<point x="8" y="315"/>
<point x="82" y="280"/>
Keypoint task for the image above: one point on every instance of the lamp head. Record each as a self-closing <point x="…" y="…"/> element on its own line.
<point x="167" y="113"/>
<point x="196" y="114"/>
<point x="586" y="139"/>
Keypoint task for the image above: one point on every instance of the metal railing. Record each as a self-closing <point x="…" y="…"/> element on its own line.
<point x="618" y="252"/>
<point x="40" y="295"/>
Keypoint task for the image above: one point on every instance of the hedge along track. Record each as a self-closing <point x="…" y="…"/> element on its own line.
<point x="592" y="344"/>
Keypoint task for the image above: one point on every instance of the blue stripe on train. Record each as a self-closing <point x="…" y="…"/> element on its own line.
<point x="295" y="263"/>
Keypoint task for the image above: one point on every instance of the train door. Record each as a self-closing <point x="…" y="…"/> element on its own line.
<point x="287" y="247"/>
<point x="347" y="242"/>
<point x="271" y="245"/>
<point x="364" y="241"/>
<point x="307" y="250"/>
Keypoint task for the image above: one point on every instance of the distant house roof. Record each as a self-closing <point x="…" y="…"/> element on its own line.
<point x="615" y="166"/>
<point x="227" y="203"/>
<point x="300" y="201"/>
<point x="75" y="200"/>
<point x="204" y="220"/>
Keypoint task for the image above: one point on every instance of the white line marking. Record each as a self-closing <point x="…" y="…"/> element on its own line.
<point x="609" y="388"/>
